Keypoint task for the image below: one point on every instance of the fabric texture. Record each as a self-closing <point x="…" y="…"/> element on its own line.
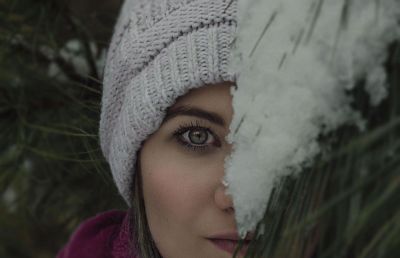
<point x="107" y="235"/>
<point x="159" y="51"/>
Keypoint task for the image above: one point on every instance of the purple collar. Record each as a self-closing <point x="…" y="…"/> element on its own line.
<point x="106" y="235"/>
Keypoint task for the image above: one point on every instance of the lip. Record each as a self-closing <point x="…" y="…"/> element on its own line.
<point x="230" y="245"/>
<point x="229" y="241"/>
<point x="231" y="236"/>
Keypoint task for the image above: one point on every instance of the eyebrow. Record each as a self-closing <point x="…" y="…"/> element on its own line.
<point x="194" y="111"/>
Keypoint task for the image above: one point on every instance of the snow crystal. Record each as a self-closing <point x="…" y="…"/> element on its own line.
<point x="73" y="52"/>
<point x="9" y="198"/>
<point x="292" y="86"/>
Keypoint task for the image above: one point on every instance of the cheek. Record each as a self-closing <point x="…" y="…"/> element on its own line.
<point x="166" y="191"/>
<point x="173" y="188"/>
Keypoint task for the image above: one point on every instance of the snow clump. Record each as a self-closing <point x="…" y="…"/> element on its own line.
<point x="292" y="86"/>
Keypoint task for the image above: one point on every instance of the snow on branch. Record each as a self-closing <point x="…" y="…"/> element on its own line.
<point x="298" y="59"/>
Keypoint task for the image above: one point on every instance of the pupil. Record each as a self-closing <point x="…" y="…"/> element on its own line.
<point x="198" y="137"/>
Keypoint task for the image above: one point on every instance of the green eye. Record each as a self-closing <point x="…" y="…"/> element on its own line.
<point x="196" y="137"/>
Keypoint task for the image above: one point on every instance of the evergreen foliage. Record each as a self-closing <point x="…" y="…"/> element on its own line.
<point x="346" y="205"/>
<point x="52" y="173"/>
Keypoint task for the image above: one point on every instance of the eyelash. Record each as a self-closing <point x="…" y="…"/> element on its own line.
<point x="183" y="128"/>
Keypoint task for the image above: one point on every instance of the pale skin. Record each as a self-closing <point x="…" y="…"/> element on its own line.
<point x="185" y="201"/>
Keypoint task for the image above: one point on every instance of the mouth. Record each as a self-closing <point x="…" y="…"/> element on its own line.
<point x="230" y="245"/>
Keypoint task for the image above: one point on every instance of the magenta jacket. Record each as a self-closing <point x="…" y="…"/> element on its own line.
<point x="106" y="235"/>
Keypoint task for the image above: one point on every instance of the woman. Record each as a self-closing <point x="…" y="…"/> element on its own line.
<point x="166" y="109"/>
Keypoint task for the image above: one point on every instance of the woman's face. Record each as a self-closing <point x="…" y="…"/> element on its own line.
<point x="182" y="165"/>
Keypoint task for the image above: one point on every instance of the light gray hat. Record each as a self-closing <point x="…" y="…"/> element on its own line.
<point x="159" y="51"/>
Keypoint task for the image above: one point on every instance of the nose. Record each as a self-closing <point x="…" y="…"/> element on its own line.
<point x="223" y="200"/>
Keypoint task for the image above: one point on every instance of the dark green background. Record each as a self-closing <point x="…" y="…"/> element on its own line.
<point x="52" y="172"/>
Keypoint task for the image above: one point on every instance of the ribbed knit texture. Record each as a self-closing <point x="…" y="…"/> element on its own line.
<point x="160" y="50"/>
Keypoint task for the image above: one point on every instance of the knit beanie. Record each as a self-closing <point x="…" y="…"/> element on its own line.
<point x="159" y="51"/>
